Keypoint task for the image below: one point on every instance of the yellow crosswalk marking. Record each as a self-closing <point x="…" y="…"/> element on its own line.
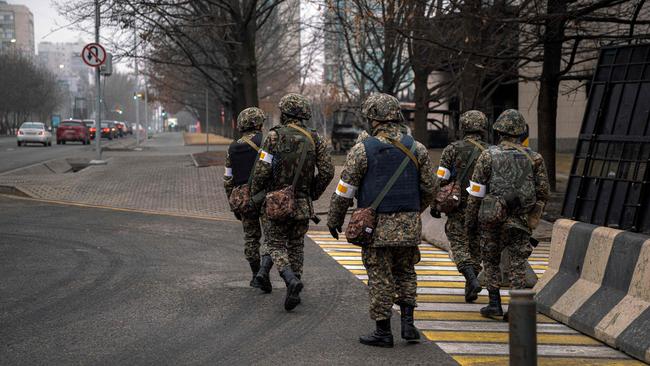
<point x="502" y="337"/>
<point x="543" y="361"/>
<point x="464" y="315"/>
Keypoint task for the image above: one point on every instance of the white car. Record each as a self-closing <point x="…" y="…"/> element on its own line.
<point x="34" y="132"/>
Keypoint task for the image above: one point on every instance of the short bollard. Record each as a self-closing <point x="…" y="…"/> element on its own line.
<point x="522" y="315"/>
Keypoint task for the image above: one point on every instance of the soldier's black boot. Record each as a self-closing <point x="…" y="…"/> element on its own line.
<point x="494" y="307"/>
<point x="294" y="286"/>
<point x="409" y="331"/>
<point x="255" y="267"/>
<point x="381" y="337"/>
<point x="263" y="277"/>
<point x="472" y="287"/>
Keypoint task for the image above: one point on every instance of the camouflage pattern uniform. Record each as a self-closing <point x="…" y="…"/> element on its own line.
<point x="514" y="233"/>
<point x="465" y="249"/>
<point x="249" y="123"/>
<point x="390" y="260"/>
<point x="285" y="240"/>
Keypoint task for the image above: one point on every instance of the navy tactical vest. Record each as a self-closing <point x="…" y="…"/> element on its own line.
<point x="242" y="158"/>
<point x="383" y="161"/>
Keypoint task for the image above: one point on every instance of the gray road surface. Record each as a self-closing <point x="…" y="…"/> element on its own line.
<point x="101" y="287"/>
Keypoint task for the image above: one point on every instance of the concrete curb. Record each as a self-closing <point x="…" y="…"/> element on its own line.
<point x="598" y="282"/>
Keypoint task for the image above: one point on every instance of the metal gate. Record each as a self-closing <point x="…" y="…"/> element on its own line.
<point x="608" y="185"/>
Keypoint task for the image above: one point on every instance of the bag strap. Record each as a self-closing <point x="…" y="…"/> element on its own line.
<point x="303" y="131"/>
<point x="251" y="143"/>
<point x="472" y="158"/>
<point x="303" y="157"/>
<point x="405" y="150"/>
<point x="513" y="145"/>
<point x="393" y="179"/>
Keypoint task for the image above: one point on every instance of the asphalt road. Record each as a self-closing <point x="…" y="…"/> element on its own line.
<point x="14" y="157"/>
<point x="90" y="286"/>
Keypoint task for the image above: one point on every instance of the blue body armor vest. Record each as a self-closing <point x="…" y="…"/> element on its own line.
<point x="383" y="161"/>
<point x="242" y="159"/>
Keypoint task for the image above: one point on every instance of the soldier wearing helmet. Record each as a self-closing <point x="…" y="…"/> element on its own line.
<point x="240" y="159"/>
<point x="387" y="155"/>
<point x="292" y="156"/>
<point x="454" y="171"/>
<point x="508" y="190"/>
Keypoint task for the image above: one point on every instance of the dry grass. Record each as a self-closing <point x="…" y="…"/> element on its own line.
<point x="199" y="139"/>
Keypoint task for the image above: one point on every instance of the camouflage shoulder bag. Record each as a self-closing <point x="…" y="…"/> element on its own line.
<point x="363" y="222"/>
<point x="240" y="198"/>
<point x="281" y="204"/>
<point x="448" y="197"/>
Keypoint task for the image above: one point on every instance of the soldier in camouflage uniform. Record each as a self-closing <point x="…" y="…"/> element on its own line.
<point x="509" y="181"/>
<point x="249" y="124"/>
<point x="390" y="259"/>
<point x="276" y="168"/>
<point x="454" y="165"/>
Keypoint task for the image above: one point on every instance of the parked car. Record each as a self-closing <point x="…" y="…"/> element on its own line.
<point x="72" y="130"/>
<point x="34" y="132"/>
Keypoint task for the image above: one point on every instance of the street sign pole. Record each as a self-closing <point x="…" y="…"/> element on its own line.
<point x="207" y="136"/>
<point x="98" y="90"/>
<point x="137" y="97"/>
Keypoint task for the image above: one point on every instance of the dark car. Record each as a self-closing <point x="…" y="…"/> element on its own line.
<point x="344" y="136"/>
<point x="121" y="128"/>
<point x="72" y="130"/>
<point x="108" y="130"/>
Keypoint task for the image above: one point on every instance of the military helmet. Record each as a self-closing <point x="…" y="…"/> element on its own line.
<point x="382" y="107"/>
<point x="250" y="119"/>
<point x="473" y="121"/>
<point x="295" y="105"/>
<point x="510" y="122"/>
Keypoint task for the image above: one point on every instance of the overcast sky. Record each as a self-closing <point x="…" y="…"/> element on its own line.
<point x="48" y="23"/>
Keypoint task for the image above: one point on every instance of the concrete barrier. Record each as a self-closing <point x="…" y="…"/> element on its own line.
<point x="598" y="282"/>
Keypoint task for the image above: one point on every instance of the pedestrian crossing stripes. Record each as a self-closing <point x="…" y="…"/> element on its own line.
<point x="457" y="327"/>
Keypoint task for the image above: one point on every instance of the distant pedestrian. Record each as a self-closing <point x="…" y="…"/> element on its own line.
<point x="391" y="176"/>
<point x="508" y="191"/>
<point x="456" y="167"/>
<point x="240" y="159"/>
<point x="294" y="169"/>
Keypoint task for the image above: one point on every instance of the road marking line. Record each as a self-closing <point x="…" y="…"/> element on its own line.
<point x="503" y="337"/>
<point x="542" y="350"/>
<point x="482" y="326"/>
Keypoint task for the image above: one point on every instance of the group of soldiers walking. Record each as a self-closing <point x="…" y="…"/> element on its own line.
<point x="493" y="197"/>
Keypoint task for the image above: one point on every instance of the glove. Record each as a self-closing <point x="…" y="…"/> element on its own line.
<point x="435" y="213"/>
<point x="334" y="231"/>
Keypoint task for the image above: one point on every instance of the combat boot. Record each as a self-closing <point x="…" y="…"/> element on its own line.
<point x="255" y="267"/>
<point x="494" y="307"/>
<point x="294" y="286"/>
<point x="409" y="331"/>
<point x="381" y="337"/>
<point x="263" y="277"/>
<point x="472" y="287"/>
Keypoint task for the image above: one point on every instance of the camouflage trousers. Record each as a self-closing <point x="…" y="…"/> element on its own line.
<point x="465" y="249"/>
<point x="391" y="278"/>
<point x="518" y="245"/>
<point x="285" y="242"/>
<point x="252" y="235"/>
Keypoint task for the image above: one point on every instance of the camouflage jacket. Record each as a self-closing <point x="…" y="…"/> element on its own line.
<point x="452" y="160"/>
<point x="318" y="173"/>
<point x="228" y="184"/>
<point x="393" y="229"/>
<point x="482" y="175"/>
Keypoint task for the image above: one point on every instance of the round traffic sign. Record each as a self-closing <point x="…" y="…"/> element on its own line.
<point x="93" y="54"/>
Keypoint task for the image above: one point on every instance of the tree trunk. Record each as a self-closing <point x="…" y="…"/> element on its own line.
<point x="549" y="86"/>
<point x="420" y="78"/>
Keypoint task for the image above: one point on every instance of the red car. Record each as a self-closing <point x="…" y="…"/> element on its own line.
<point x="72" y="130"/>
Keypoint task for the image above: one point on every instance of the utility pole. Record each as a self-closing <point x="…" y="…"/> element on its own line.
<point x="98" y="97"/>
<point x="135" y="94"/>
<point x="146" y="107"/>
<point x="207" y="136"/>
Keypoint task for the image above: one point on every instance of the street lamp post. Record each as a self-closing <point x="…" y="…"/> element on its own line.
<point x="137" y="96"/>
<point x="98" y="90"/>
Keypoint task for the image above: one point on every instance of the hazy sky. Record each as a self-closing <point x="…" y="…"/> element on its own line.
<point x="46" y="20"/>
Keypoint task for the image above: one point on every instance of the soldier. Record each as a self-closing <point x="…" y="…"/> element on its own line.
<point x="290" y="156"/>
<point x="240" y="159"/>
<point x="508" y="191"/>
<point x="391" y="256"/>
<point x="456" y="166"/>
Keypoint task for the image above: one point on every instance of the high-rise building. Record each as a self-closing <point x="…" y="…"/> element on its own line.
<point x="16" y="28"/>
